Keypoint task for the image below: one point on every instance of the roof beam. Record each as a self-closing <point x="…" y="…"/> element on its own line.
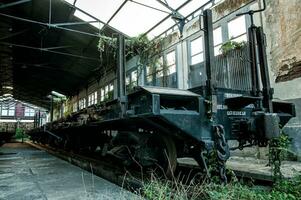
<point x="13" y="3"/>
<point x="165" y="18"/>
<point x="48" y="25"/>
<point x="147" y="6"/>
<point x="88" y="14"/>
<point x="73" y="23"/>
<point x="47" y="50"/>
<point x="112" y="17"/>
<point x="13" y="34"/>
<point x="116" y="12"/>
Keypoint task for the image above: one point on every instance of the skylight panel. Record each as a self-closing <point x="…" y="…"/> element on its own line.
<point x="134" y="19"/>
<point x="70" y="1"/>
<point x="101" y="9"/>
<point x="161" y="28"/>
<point x="192" y="6"/>
<point x="87" y="18"/>
<point x="175" y="3"/>
<point x="154" y="4"/>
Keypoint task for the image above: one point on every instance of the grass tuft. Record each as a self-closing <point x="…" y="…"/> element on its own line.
<point x="158" y="189"/>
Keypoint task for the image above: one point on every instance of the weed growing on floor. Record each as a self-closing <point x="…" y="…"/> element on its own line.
<point x="158" y="189"/>
<point x="278" y="148"/>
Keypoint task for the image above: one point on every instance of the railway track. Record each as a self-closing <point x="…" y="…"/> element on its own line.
<point x="104" y="168"/>
<point x="132" y="179"/>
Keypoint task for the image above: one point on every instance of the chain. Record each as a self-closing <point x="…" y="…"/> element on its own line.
<point x="223" y="152"/>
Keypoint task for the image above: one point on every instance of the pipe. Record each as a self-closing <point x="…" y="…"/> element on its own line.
<point x="121" y="74"/>
<point x="121" y="66"/>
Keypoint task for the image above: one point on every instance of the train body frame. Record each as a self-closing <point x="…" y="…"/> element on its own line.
<point x="153" y="126"/>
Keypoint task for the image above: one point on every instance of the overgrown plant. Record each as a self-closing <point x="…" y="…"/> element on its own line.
<point x="231" y="45"/>
<point x="148" y="51"/>
<point x="158" y="189"/>
<point x="278" y="148"/>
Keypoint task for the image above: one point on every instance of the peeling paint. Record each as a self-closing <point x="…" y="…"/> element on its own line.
<point x="290" y="70"/>
<point x="283" y="28"/>
<point x="230" y="5"/>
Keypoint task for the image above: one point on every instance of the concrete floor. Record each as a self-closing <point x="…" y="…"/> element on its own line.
<point x="27" y="173"/>
<point x="253" y="168"/>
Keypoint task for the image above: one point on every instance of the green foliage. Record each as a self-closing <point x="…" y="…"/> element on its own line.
<point x="277" y="151"/>
<point x="68" y="107"/>
<point x="231" y="45"/>
<point x="110" y="95"/>
<point x="139" y="45"/>
<point x="148" y="51"/>
<point x="292" y="187"/>
<point x="166" y="190"/>
<point x="19" y="133"/>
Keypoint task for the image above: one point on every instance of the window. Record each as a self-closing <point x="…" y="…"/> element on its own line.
<point x="29" y="112"/>
<point x="159" y="68"/>
<point x="74" y="108"/>
<point x="163" y="73"/>
<point x="196" y="51"/>
<point x="237" y="29"/>
<point x="82" y="103"/>
<point x="107" y="92"/>
<point x="217" y="40"/>
<point x="92" y="98"/>
<point x="8" y="110"/>
<point x="131" y="80"/>
<point x="171" y="63"/>
<point x="155" y="71"/>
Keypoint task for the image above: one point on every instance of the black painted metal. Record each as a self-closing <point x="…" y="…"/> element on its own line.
<point x="254" y="69"/>
<point x="198" y="120"/>
<point x="264" y="71"/>
<point x="209" y="56"/>
<point x="51" y="108"/>
<point x="121" y="74"/>
<point x="2" y="6"/>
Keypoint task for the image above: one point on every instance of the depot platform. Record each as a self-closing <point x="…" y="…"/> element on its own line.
<point x="27" y="173"/>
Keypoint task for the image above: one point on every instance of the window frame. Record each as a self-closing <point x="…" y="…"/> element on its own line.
<point x="75" y="107"/>
<point x="104" y="92"/>
<point x="29" y="112"/>
<point x="218" y="44"/>
<point x="8" y="109"/>
<point x="82" y="103"/>
<point x="160" y="71"/>
<point x="92" y="98"/>
<point x="129" y="80"/>
<point x="202" y="52"/>
<point x="240" y="35"/>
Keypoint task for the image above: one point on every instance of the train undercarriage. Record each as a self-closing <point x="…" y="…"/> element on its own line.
<point x="153" y="126"/>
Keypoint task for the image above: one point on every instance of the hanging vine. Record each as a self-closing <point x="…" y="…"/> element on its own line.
<point x="147" y="51"/>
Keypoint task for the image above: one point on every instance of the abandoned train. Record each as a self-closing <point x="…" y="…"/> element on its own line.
<point x="154" y="125"/>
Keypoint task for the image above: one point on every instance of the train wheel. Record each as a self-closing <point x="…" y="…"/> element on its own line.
<point x="164" y="153"/>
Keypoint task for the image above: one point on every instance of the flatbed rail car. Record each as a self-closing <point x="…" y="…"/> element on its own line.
<point x="153" y="126"/>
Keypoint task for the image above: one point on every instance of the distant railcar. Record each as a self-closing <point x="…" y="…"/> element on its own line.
<point x="5" y="136"/>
